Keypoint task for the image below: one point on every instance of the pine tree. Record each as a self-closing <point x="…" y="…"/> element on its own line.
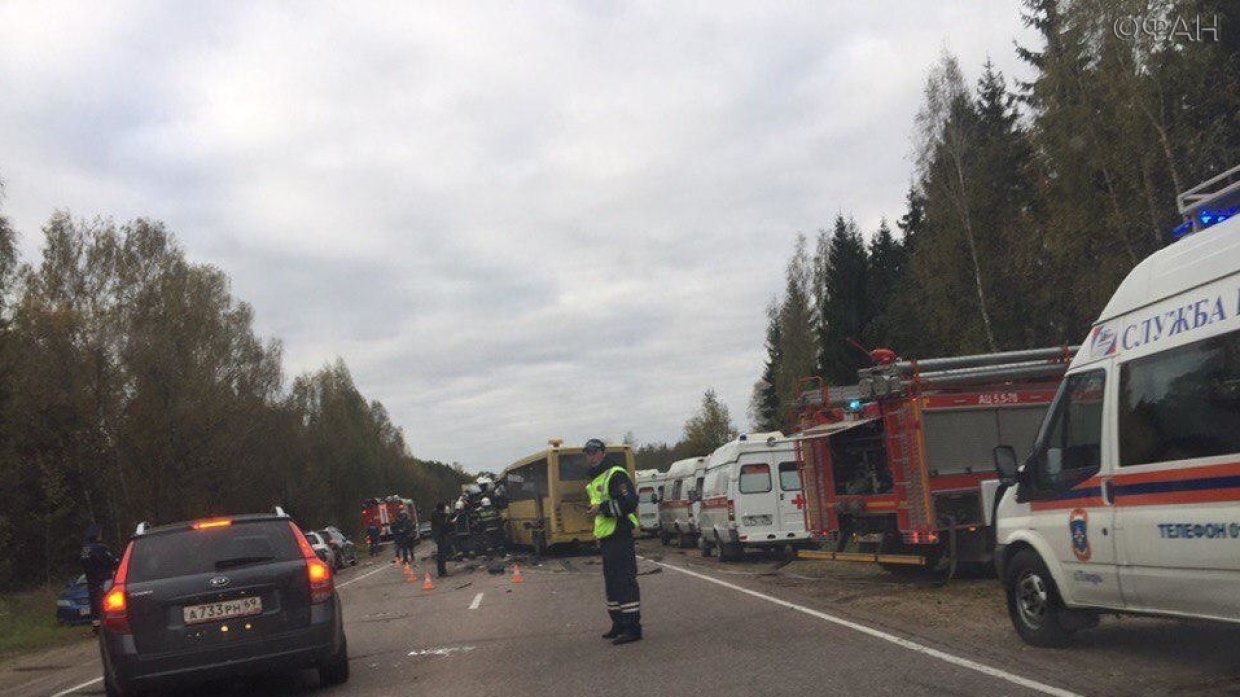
<point x="798" y="350"/>
<point x="844" y="305"/>
<point x="887" y="266"/>
<point x="764" y="406"/>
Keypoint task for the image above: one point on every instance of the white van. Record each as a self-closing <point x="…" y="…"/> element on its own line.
<point x="1130" y="499"/>
<point x="752" y="497"/>
<point x="647" y="500"/>
<point x="676" y="519"/>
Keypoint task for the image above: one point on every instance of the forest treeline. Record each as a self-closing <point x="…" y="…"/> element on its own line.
<point x="1029" y="202"/>
<point x="133" y="388"/>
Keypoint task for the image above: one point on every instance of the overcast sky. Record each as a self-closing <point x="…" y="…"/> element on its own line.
<point x="514" y="221"/>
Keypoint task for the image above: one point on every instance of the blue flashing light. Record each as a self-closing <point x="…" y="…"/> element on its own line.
<point x="1208" y="218"/>
<point x="854" y="405"/>
<point x="1183" y="229"/>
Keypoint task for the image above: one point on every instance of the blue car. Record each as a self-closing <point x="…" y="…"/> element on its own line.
<point x="73" y="605"/>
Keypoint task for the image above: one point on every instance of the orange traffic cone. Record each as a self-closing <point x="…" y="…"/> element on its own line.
<point x="409" y="577"/>
<point x="516" y="574"/>
<point x="426" y="584"/>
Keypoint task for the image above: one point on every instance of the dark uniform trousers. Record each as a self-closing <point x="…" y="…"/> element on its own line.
<point x="620" y="578"/>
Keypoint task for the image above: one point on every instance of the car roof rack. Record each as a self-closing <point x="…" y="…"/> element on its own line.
<point x="141" y="529"/>
<point x="280" y="512"/>
<point x="1210" y="202"/>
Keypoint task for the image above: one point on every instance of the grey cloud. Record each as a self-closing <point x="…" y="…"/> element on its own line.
<point x="514" y="222"/>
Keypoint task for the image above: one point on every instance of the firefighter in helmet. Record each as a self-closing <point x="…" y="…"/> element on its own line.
<point x="613" y="503"/>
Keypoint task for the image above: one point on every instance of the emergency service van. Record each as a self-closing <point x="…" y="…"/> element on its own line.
<point x="751" y="497"/>
<point x="1130" y="498"/>
<point x="676" y="515"/>
<point x="647" y="500"/>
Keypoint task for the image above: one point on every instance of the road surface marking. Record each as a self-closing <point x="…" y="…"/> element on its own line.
<point x="75" y="688"/>
<point x="372" y="572"/>
<point x="879" y="634"/>
<point x="477" y="601"/>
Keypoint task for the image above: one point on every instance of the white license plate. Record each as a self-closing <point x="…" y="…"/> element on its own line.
<point x="228" y="609"/>
<point x="83" y="611"/>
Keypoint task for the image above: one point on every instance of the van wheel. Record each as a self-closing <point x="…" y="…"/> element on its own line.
<point x="1034" y="603"/>
<point x="706" y="547"/>
<point x="729" y="551"/>
<point x="336" y="670"/>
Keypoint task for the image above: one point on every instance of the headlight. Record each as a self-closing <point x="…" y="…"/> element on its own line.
<point x="64" y="603"/>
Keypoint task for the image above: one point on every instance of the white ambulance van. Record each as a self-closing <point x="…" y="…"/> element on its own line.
<point x="647" y="500"/>
<point x="1130" y="499"/>
<point x="676" y="507"/>
<point x="752" y="497"/>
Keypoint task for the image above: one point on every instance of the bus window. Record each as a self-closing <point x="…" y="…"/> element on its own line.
<point x="573" y="467"/>
<point x="532" y="484"/>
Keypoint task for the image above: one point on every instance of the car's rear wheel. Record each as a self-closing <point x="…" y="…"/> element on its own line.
<point x="336" y="670"/>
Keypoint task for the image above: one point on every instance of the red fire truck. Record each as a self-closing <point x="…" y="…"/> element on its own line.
<point x="382" y="512"/>
<point x="898" y="469"/>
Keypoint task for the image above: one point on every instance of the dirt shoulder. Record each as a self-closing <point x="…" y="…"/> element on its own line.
<point x="968" y="616"/>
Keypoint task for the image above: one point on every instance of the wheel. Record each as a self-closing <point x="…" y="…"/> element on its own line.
<point x="1034" y="603"/>
<point x="540" y="545"/>
<point x="706" y="547"/>
<point x="336" y="670"/>
<point x="729" y="551"/>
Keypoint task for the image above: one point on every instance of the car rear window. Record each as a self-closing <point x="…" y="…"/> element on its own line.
<point x="192" y="552"/>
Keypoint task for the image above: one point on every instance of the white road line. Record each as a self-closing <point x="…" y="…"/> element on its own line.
<point x="879" y="634"/>
<point x="477" y="601"/>
<point x="372" y="572"/>
<point x="75" y="688"/>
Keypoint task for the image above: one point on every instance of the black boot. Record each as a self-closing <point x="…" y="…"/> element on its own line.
<point x="631" y="631"/>
<point x="617" y="627"/>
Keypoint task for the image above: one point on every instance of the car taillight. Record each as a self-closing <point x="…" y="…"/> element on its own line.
<point x="319" y="574"/>
<point x="116" y="602"/>
<point x="212" y="523"/>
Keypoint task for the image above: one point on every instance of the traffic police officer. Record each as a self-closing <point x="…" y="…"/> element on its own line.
<point x="613" y="503"/>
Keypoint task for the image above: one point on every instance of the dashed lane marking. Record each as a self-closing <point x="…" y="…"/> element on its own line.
<point x="372" y="572"/>
<point x="75" y="688"/>
<point x="477" y="601"/>
<point x="879" y="634"/>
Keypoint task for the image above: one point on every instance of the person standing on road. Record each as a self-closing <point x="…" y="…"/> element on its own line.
<point x="613" y="503"/>
<point x="98" y="564"/>
<point x="442" y="534"/>
<point x="372" y="534"/>
<point x="402" y="535"/>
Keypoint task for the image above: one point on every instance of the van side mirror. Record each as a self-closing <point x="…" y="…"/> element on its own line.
<point x="1005" y="464"/>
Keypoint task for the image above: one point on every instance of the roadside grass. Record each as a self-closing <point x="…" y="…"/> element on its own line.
<point x="28" y="622"/>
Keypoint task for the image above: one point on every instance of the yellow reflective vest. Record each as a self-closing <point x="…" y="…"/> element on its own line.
<point x="605" y="525"/>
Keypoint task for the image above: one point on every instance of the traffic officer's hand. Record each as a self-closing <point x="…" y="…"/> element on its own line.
<point x="592" y="510"/>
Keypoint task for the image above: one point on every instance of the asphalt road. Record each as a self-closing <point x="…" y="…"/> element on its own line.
<point x="480" y="634"/>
